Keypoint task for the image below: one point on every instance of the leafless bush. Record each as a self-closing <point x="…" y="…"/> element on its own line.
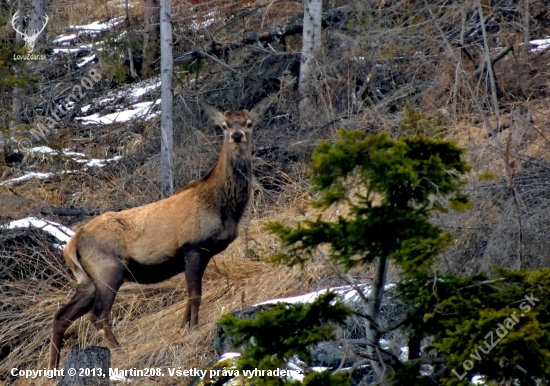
<point x="493" y="233"/>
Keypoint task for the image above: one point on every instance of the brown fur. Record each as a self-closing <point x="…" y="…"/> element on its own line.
<point x="154" y="242"/>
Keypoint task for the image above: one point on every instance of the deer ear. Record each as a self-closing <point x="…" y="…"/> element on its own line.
<point x="213" y="114"/>
<point x="258" y="111"/>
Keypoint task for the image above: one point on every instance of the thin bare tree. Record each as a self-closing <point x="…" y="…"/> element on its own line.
<point x="311" y="45"/>
<point x="166" y="95"/>
<point x="37" y="19"/>
<point x="151" y="36"/>
<point x="16" y="102"/>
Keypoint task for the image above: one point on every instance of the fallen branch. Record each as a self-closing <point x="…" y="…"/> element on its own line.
<point x="48" y="210"/>
<point x="497" y="57"/>
<point x="336" y="17"/>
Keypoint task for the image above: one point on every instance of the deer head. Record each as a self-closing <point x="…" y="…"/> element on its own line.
<point x="30" y="41"/>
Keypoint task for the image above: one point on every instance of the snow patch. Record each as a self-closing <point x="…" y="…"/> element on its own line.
<point x="65" y="38"/>
<point x="60" y="232"/>
<point x="129" y="94"/>
<point x="88" y="163"/>
<point x="72" y="50"/>
<point x="49" y="150"/>
<point x="229" y="355"/>
<point x="540" y="44"/>
<point x="139" y="110"/>
<point x="26" y="177"/>
<point x="118" y="378"/>
<point x="43" y="149"/>
<point x="99" y="162"/>
<point x="144" y="89"/>
<point x="98" y="25"/>
<point x="208" y="20"/>
<point x="86" y="60"/>
<point x="346" y="293"/>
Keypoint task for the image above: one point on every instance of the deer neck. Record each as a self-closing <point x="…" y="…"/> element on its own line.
<point x="231" y="178"/>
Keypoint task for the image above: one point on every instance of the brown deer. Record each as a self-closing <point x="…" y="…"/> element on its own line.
<point x="154" y="242"/>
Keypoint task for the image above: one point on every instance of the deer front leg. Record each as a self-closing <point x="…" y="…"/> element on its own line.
<point x="195" y="264"/>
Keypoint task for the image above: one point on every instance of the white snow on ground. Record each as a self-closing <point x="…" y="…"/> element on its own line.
<point x="72" y="49"/>
<point x="88" y="163"/>
<point x="86" y="60"/>
<point x="144" y="89"/>
<point x="92" y="29"/>
<point x="49" y="150"/>
<point x="540" y="44"/>
<point x="139" y="110"/>
<point x="127" y="95"/>
<point x="60" y="232"/>
<point x="26" y="177"/>
<point x="131" y="92"/>
<point x="346" y="293"/>
<point x="98" y="25"/>
<point x="119" y="37"/>
<point x="99" y="162"/>
<point x="229" y="355"/>
<point x="478" y="380"/>
<point x="118" y="378"/>
<point x="65" y="38"/>
<point x="43" y="149"/>
<point x="122" y="3"/>
<point x="294" y="370"/>
<point x="203" y="24"/>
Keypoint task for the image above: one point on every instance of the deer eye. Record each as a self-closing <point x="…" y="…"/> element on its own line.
<point x="249" y="123"/>
<point x="224" y="125"/>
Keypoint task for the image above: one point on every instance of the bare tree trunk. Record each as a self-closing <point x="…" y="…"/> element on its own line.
<point x="16" y="108"/>
<point x="16" y="101"/>
<point x="373" y="311"/>
<point x="311" y="45"/>
<point x="94" y="362"/>
<point x="127" y="18"/>
<point x="166" y="94"/>
<point x="21" y="13"/>
<point x="151" y="45"/>
<point x="526" y="34"/>
<point x="37" y="19"/>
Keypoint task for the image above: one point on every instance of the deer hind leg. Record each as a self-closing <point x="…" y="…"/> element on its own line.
<point x="195" y="264"/>
<point x="81" y="303"/>
<point x="107" y="276"/>
<point x="104" y="300"/>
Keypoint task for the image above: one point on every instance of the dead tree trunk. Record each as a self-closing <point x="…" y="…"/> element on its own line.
<point x="127" y="18"/>
<point x="166" y="94"/>
<point x="373" y="311"/>
<point x="37" y="20"/>
<point x="311" y="45"/>
<point x="91" y="367"/>
<point x="151" y="46"/>
<point x="16" y="103"/>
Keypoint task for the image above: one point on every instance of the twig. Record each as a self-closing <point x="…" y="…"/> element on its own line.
<point x="497" y="57"/>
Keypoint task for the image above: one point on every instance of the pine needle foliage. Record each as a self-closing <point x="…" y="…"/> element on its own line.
<point x="390" y="186"/>
<point x="498" y="328"/>
<point x="386" y="190"/>
<point x="286" y="332"/>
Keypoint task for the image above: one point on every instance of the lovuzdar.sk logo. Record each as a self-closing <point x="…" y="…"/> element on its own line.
<point x="30" y="40"/>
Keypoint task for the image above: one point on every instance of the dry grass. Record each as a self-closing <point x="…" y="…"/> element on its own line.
<point x="147" y="319"/>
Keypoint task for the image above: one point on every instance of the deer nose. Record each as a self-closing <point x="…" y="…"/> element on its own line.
<point x="238" y="136"/>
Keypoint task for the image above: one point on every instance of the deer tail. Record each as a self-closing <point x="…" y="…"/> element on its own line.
<point x="72" y="259"/>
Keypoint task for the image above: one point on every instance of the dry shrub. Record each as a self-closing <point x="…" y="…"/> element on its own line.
<point x="509" y="186"/>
